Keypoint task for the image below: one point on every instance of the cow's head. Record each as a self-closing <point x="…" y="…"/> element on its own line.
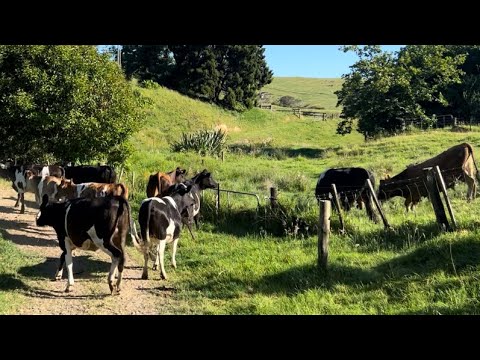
<point x="64" y="189"/>
<point x="180" y="175"/>
<point x="29" y="174"/>
<point x="180" y="193"/>
<point x="46" y="214"/>
<point x="205" y="180"/>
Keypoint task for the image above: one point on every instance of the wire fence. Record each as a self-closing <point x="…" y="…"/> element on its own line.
<point x="298" y="215"/>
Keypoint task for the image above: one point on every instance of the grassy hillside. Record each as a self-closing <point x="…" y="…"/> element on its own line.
<point x="234" y="267"/>
<point x="312" y="91"/>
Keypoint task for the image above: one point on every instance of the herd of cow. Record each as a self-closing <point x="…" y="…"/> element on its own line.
<point x="456" y="164"/>
<point x="89" y="210"/>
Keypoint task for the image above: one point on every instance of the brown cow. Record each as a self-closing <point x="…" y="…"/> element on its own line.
<point x="70" y="190"/>
<point x="159" y="183"/>
<point x="456" y="164"/>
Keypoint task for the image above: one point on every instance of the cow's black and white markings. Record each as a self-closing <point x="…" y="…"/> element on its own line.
<point x="161" y="222"/>
<point x="90" y="224"/>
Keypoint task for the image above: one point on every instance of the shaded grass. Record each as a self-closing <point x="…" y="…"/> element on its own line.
<point x="11" y="282"/>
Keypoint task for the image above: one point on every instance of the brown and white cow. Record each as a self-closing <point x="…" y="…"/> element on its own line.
<point x="18" y="175"/>
<point x="40" y="185"/>
<point x="159" y="183"/>
<point x="456" y="164"/>
<point x="90" y="224"/>
<point x="70" y="190"/>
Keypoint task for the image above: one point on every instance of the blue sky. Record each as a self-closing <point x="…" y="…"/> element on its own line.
<point x="322" y="61"/>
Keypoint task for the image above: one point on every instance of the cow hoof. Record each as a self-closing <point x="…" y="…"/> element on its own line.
<point x="163" y="277"/>
<point x="145" y="276"/>
<point x="69" y="289"/>
<point x="174" y="266"/>
<point x="154" y="267"/>
<point x="57" y="278"/>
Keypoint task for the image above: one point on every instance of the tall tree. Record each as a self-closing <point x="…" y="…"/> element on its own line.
<point x="147" y="62"/>
<point x="384" y="88"/>
<point x="227" y="75"/>
<point x="64" y="103"/>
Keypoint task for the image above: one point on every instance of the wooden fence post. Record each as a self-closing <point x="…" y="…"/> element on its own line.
<point x="443" y="189"/>
<point x="337" y="205"/>
<point x="323" y="233"/>
<point x="377" y="204"/>
<point x="273" y="198"/>
<point x="217" y="203"/>
<point x="435" y="199"/>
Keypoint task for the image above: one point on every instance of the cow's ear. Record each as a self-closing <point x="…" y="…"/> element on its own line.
<point x="388" y="176"/>
<point x="44" y="199"/>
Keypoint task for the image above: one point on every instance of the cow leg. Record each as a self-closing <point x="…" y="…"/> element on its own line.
<point x="145" y="266"/>
<point x="116" y="256"/>
<point x="196" y="221"/>
<point x="189" y="226"/>
<point x="121" y="264"/>
<point x="69" y="261"/>
<point x="59" y="273"/>
<point x="471" y="187"/>
<point x="22" y="198"/>
<point x="157" y="252"/>
<point x="110" y="249"/>
<point x="161" y="245"/>
<point x="369" y="207"/>
<point x="18" y="200"/>
<point x="174" y="252"/>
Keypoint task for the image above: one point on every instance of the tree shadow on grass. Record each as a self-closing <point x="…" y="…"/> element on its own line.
<point x="451" y="257"/>
<point x="401" y="237"/>
<point x="277" y="152"/>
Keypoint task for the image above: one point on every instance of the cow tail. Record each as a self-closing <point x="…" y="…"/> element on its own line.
<point x="133" y="230"/>
<point x="477" y="174"/>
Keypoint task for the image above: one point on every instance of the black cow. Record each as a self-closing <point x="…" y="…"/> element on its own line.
<point x="161" y="219"/>
<point x="351" y="185"/>
<point x="199" y="182"/>
<point x="17" y="175"/>
<point x="85" y="173"/>
<point x="89" y="224"/>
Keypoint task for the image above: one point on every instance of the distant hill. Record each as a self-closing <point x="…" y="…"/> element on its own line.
<point x="314" y="92"/>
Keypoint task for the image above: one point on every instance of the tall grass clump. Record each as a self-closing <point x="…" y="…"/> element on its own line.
<point x="203" y="142"/>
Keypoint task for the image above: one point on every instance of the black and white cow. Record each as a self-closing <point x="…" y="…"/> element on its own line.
<point x="351" y="186"/>
<point x="161" y="221"/>
<point x="199" y="182"/>
<point x="85" y="174"/>
<point x="90" y="224"/>
<point x="20" y="175"/>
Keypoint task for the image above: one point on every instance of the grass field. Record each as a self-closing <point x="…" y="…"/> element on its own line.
<point x="237" y="266"/>
<point x="314" y="92"/>
<point x="11" y="283"/>
<point x="234" y="267"/>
